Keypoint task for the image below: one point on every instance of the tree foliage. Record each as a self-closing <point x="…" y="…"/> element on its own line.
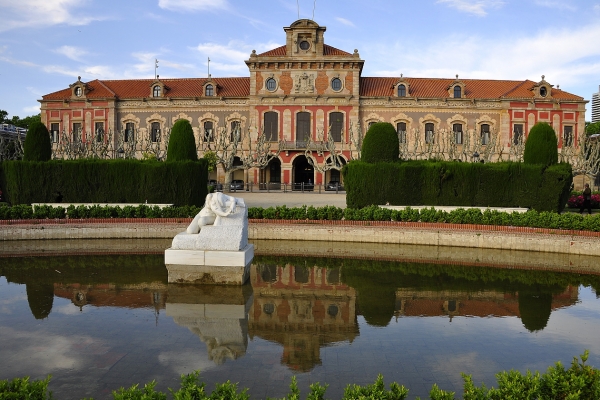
<point x="182" y="145"/>
<point x="380" y="143"/>
<point x="592" y="128"/>
<point x="17" y="121"/>
<point x="541" y="146"/>
<point x="37" y="145"/>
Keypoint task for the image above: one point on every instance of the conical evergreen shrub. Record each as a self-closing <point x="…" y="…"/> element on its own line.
<point x="182" y="144"/>
<point x="37" y="146"/>
<point x="541" y="146"/>
<point x="380" y="143"/>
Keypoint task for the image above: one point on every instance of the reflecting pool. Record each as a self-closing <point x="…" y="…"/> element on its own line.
<point x="100" y="321"/>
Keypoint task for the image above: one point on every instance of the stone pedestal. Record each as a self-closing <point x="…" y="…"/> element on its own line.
<point x="217" y="267"/>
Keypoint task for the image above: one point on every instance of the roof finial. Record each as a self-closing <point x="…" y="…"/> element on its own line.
<point x="543" y="77"/>
<point x="78" y="78"/>
<point x="401" y="75"/>
<point x="456" y="76"/>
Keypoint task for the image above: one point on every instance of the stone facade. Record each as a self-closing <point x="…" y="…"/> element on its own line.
<point x="302" y="92"/>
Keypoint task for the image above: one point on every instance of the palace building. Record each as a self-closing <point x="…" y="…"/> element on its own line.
<point x="306" y="97"/>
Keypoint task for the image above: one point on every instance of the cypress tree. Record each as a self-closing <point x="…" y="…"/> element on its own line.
<point x="182" y="144"/>
<point x="380" y="143"/>
<point x="541" y="146"/>
<point x="37" y="146"/>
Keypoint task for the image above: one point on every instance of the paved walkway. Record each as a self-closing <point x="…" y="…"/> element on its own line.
<point x="292" y="199"/>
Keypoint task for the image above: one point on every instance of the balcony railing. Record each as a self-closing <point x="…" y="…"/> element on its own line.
<point x="303" y="145"/>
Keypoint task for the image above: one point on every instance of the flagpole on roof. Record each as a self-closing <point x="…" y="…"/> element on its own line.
<point x="155" y="67"/>
<point x="209" y="67"/>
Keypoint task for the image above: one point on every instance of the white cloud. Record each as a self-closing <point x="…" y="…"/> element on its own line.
<point x="231" y="56"/>
<point x="561" y="5"/>
<point x="72" y="52"/>
<point x="345" y="21"/>
<point x="570" y="62"/>
<point x="476" y="7"/>
<point x="41" y="13"/>
<point x="193" y="5"/>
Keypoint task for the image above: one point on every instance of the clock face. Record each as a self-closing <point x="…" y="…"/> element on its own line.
<point x="304" y="45"/>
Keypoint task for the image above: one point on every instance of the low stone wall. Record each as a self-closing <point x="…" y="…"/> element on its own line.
<point x="455" y="235"/>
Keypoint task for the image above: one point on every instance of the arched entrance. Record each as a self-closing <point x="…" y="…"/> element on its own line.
<point x="303" y="174"/>
<point x="335" y="175"/>
<point x="270" y="175"/>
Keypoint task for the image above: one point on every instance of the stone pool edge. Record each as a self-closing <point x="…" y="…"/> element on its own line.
<point x="390" y="232"/>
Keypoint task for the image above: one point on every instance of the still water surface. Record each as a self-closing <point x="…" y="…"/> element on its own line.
<point x="97" y="323"/>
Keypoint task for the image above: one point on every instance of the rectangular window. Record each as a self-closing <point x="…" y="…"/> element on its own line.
<point x="336" y="125"/>
<point x="458" y="133"/>
<point x="129" y="132"/>
<point x="208" y="131"/>
<point x="302" y="127"/>
<point x="271" y="126"/>
<point x="485" y="134"/>
<point x="54" y="132"/>
<point x="236" y="131"/>
<point x="77" y="132"/>
<point x="99" y="131"/>
<point x="401" y="131"/>
<point x="568" y="136"/>
<point x="155" y="132"/>
<point x="429" y="138"/>
<point x="518" y="134"/>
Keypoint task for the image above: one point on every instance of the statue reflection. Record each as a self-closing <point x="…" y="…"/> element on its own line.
<point x="302" y="308"/>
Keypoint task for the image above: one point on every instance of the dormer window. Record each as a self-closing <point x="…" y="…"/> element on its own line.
<point x="401" y="90"/>
<point x="543" y="91"/>
<point x="156" y="91"/>
<point x="209" y="90"/>
<point x="78" y="91"/>
<point x="457" y="92"/>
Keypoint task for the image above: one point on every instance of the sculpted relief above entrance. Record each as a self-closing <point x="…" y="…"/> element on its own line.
<point x="304" y="83"/>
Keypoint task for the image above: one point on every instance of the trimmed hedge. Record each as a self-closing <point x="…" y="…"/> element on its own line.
<point x="380" y="143"/>
<point x="37" y="146"/>
<point x="104" y="181"/>
<point x="182" y="144"/>
<point x="541" y="146"/>
<point x="419" y="182"/>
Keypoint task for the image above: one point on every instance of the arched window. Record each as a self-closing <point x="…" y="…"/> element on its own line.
<point x="401" y="131"/>
<point x="271" y="126"/>
<point x="209" y="90"/>
<point x="429" y="138"/>
<point x="543" y="91"/>
<point x="457" y="92"/>
<point x="208" y="131"/>
<point x="401" y="91"/>
<point x="302" y="126"/>
<point x="78" y="91"/>
<point x="485" y="133"/>
<point x="458" y="133"/>
<point x="156" y="91"/>
<point x="336" y="125"/>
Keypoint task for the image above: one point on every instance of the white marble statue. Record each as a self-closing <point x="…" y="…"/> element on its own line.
<point x="222" y="224"/>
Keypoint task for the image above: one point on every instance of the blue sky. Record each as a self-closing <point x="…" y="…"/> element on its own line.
<point x="46" y="44"/>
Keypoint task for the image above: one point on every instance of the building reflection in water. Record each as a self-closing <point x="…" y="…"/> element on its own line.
<point x="301" y="304"/>
<point x="303" y="308"/>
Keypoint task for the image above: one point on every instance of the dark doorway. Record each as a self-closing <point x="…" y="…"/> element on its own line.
<point x="304" y="174"/>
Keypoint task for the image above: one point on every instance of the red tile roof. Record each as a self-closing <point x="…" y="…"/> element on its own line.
<point x="327" y="51"/>
<point x="138" y="88"/>
<point x="276" y="52"/>
<point x="474" y="88"/>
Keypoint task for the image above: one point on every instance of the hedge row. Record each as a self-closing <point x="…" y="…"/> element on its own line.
<point x="104" y="181"/>
<point x="433" y="183"/>
<point x="24" y="211"/>
<point x="579" y="381"/>
<point x="531" y="218"/>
